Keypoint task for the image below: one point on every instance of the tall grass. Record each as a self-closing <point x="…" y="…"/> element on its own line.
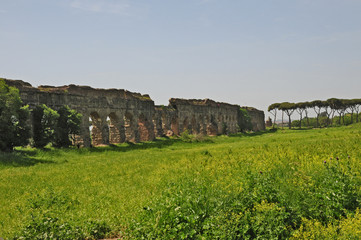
<point x="272" y="185"/>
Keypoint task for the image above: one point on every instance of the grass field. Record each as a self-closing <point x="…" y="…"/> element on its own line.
<point x="300" y="184"/>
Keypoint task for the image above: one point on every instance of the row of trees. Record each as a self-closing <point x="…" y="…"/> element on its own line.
<point x="48" y="125"/>
<point x="328" y="108"/>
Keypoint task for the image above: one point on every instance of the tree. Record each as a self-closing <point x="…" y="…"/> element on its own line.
<point x="317" y="106"/>
<point x="333" y="104"/>
<point x="356" y="107"/>
<point x="301" y="108"/>
<point x="273" y="110"/>
<point x="307" y="106"/>
<point x="288" y="108"/>
<point x="22" y="132"/>
<point x="13" y="117"/>
<point x="67" y="126"/>
<point x="44" y="123"/>
<point x="348" y="104"/>
<point x="340" y="108"/>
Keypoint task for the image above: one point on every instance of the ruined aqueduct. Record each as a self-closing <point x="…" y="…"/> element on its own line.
<point x="120" y="116"/>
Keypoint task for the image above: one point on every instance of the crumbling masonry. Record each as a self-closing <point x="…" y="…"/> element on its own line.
<point x="117" y="116"/>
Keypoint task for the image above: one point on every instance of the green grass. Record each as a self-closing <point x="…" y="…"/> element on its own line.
<point x="270" y="184"/>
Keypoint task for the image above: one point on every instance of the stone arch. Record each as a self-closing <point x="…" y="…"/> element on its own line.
<point x="158" y="125"/>
<point x="202" y="125"/>
<point x="95" y="128"/>
<point x="186" y="125"/>
<point x="114" y="128"/>
<point x="194" y="125"/>
<point x="143" y="128"/>
<point x="174" y="125"/>
<point x="129" y="130"/>
<point x="166" y="123"/>
<point x="83" y="138"/>
<point x="212" y="127"/>
<point x="220" y="123"/>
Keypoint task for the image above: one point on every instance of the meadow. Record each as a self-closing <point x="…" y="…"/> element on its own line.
<point x="285" y="184"/>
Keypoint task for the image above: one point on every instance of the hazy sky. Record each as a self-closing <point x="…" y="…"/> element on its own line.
<point x="246" y="52"/>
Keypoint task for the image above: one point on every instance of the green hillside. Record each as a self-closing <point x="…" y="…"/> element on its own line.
<point x="300" y="184"/>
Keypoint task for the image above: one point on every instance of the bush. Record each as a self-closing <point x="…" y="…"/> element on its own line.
<point x="44" y="123"/>
<point x="186" y="137"/>
<point x="13" y="128"/>
<point x="55" y="127"/>
<point x="68" y="124"/>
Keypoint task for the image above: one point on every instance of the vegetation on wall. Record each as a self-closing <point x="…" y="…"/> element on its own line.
<point x="245" y="123"/>
<point x="14" y="130"/>
<point x="48" y="125"/>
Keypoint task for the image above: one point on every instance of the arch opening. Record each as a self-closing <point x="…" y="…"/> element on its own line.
<point x="195" y="127"/>
<point x="95" y="129"/>
<point x="129" y="127"/>
<point x="114" y="128"/>
<point x="174" y="126"/>
<point x="212" y="127"/>
<point x="143" y="128"/>
<point x="186" y="126"/>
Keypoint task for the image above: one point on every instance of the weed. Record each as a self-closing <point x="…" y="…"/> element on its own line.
<point x="45" y="221"/>
<point x="269" y="185"/>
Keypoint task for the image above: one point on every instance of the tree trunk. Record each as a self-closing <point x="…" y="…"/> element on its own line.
<point x="274" y="120"/>
<point x="289" y="121"/>
<point x="317" y="115"/>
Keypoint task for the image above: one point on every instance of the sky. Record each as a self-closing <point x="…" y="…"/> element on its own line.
<point x="246" y="52"/>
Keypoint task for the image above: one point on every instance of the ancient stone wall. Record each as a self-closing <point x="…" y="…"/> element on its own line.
<point x="113" y="116"/>
<point x="257" y="119"/>
<point x="166" y="121"/>
<point x="205" y="117"/>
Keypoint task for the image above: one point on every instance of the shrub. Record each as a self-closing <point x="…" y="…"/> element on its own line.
<point x="45" y="223"/>
<point x="67" y="125"/>
<point x="44" y="123"/>
<point x="49" y="227"/>
<point x="186" y="137"/>
<point x="180" y="212"/>
<point x="333" y="195"/>
<point x="198" y="209"/>
<point x="267" y="207"/>
<point x="13" y="128"/>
